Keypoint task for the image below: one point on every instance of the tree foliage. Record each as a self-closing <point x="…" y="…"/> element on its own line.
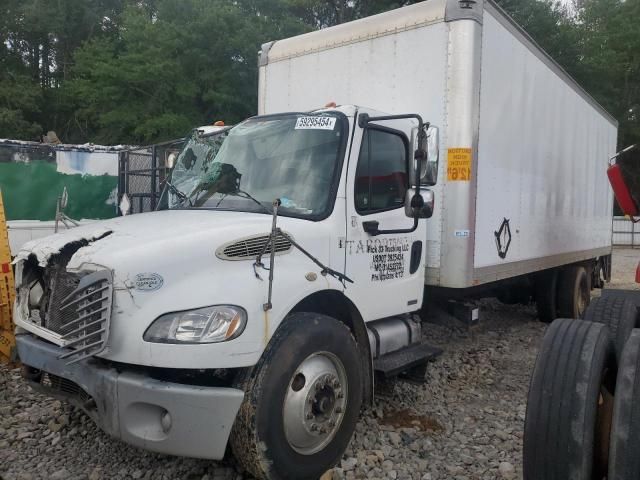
<point x="139" y="71"/>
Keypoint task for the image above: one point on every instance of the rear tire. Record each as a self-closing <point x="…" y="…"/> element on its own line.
<point x="546" y="289"/>
<point x="624" y="461"/>
<point x="574" y="291"/>
<point x="561" y="424"/>
<point x="619" y="314"/>
<point x="302" y="400"/>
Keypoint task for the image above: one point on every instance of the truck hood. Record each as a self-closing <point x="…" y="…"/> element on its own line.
<point x="170" y="233"/>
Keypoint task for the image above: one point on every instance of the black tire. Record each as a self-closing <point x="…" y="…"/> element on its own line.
<point x="619" y="314"/>
<point x="574" y="291"/>
<point x="258" y="437"/>
<point x="624" y="458"/>
<point x="546" y="289"/>
<point x="561" y="421"/>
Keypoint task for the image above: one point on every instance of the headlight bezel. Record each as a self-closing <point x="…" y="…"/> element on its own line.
<point x="165" y="328"/>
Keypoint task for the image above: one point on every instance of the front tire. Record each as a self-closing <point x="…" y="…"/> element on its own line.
<point x="302" y="400"/>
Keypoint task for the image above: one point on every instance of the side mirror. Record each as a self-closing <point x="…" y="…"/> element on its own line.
<point x="429" y="150"/>
<point x="621" y="191"/>
<point x="419" y="205"/>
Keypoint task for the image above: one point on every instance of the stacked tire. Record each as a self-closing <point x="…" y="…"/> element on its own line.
<point x="581" y="421"/>
<point x="624" y="456"/>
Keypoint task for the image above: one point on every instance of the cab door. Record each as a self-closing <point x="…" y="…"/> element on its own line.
<point x="387" y="269"/>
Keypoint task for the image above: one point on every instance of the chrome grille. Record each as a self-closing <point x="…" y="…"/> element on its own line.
<point x="61" y="285"/>
<point x="81" y="315"/>
<point x="251" y="247"/>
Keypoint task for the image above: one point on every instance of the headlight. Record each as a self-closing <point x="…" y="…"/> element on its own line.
<point x="218" y="323"/>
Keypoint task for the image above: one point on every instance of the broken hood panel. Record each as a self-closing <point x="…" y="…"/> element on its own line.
<point x="162" y="232"/>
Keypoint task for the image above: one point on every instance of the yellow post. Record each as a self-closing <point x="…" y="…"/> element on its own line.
<point x="7" y="294"/>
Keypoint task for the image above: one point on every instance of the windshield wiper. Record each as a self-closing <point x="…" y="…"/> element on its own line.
<point x="243" y="194"/>
<point x="179" y="193"/>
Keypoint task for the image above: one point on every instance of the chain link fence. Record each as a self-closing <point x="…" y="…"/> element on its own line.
<point x="142" y="172"/>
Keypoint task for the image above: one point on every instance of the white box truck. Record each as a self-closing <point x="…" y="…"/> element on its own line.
<point x="288" y="267"/>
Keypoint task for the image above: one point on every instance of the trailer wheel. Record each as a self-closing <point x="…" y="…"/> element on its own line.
<point x="302" y="400"/>
<point x="618" y="313"/>
<point x="574" y="291"/>
<point x="624" y="461"/>
<point x="569" y="402"/>
<point x="546" y="288"/>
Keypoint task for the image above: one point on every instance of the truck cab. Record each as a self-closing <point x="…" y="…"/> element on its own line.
<point x="288" y="258"/>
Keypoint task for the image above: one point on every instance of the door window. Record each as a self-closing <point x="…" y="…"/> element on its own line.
<point x="381" y="174"/>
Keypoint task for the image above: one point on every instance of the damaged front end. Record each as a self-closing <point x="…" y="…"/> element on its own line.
<point x="71" y="309"/>
<point x="85" y="304"/>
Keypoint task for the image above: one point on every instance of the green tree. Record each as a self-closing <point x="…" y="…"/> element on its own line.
<point x="173" y="65"/>
<point x="36" y="54"/>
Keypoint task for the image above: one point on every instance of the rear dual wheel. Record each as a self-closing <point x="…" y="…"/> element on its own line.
<point x="302" y="400"/>
<point x="574" y="291"/>
<point x="563" y="292"/>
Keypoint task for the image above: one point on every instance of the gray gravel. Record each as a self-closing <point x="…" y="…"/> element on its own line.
<point x="464" y="423"/>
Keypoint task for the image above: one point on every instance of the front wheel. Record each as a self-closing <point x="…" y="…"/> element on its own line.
<point x="302" y="400"/>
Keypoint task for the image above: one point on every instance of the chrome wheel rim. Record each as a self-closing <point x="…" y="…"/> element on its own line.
<point x="315" y="403"/>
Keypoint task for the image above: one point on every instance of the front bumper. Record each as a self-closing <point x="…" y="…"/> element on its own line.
<point x="164" y="417"/>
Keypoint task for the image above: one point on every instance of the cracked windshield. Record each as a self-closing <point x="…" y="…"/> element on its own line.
<point x="291" y="157"/>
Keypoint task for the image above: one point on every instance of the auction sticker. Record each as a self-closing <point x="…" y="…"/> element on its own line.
<point x="148" y="282"/>
<point x="315" y="123"/>
<point x="459" y="164"/>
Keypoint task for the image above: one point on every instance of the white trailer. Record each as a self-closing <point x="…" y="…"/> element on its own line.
<point x="288" y="269"/>
<point x="521" y="140"/>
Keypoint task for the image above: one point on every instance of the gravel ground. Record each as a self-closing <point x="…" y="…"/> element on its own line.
<point x="625" y="261"/>
<point x="464" y="423"/>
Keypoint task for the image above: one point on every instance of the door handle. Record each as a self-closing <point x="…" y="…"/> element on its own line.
<point x="371" y="227"/>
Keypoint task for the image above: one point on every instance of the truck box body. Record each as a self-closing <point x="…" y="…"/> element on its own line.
<point x="522" y="183"/>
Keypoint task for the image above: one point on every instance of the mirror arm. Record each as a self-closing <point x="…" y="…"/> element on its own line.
<point x="613" y="159"/>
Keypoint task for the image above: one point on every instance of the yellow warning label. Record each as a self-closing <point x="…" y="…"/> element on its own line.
<point x="459" y="164"/>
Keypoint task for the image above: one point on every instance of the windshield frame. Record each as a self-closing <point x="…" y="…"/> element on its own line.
<point x="335" y="180"/>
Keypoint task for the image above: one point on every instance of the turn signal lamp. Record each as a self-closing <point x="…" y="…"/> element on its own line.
<point x="218" y="123"/>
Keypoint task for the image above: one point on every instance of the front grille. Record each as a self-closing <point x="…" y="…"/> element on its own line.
<point x="79" y="310"/>
<point x="61" y="285"/>
<point x="251" y="247"/>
